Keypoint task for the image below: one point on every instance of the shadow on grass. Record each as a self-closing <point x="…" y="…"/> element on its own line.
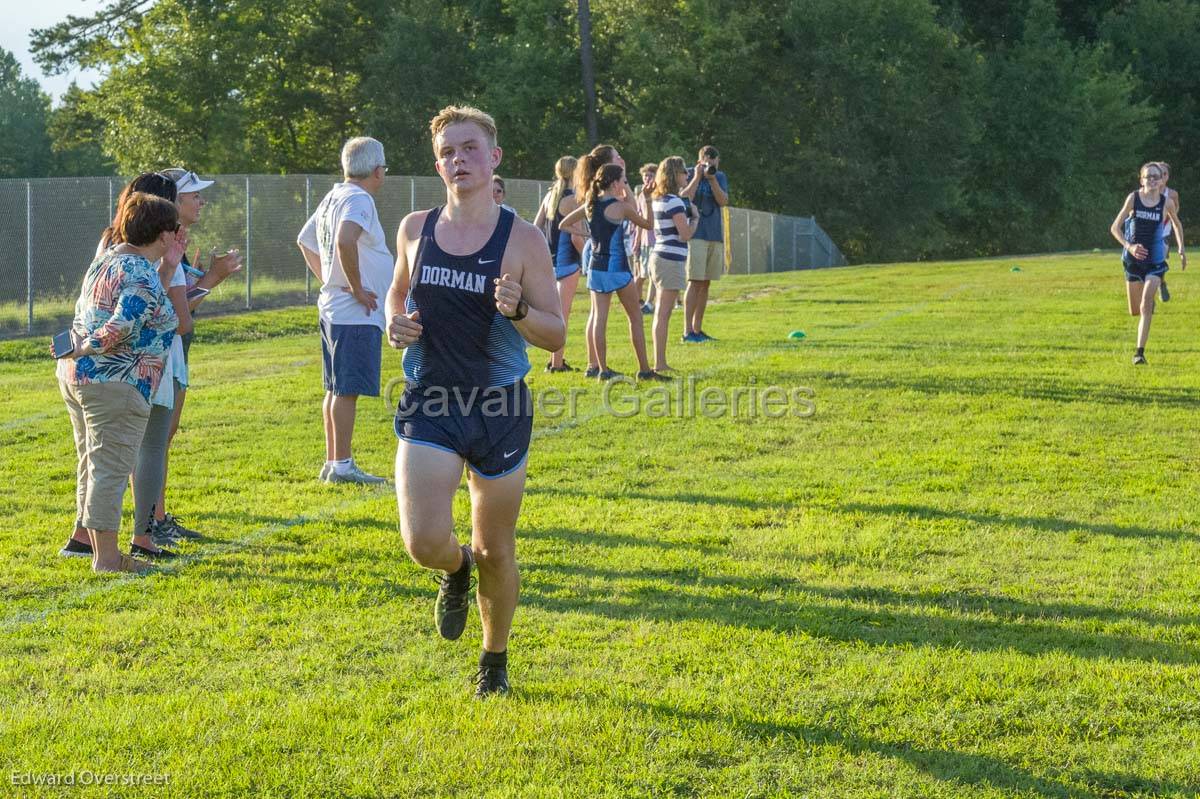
<point x="1005" y="608"/>
<point x="1007" y="385"/>
<point x="947" y="765"/>
<point x="689" y="498"/>
<point x="784" y="605"/>
<point x="706" y="544"/>
<point x="1047" y="523"/>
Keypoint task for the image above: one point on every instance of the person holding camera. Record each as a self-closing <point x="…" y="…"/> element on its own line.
<point x="708" y="190"/>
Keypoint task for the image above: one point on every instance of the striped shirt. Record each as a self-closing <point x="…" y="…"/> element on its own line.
<point x="667" y="244"/>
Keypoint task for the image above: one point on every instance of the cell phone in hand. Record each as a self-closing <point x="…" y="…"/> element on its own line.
<point x="196" y="292"/>
<point x="63" y="344"/>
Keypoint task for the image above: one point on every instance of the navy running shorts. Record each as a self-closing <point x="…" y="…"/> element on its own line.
<point x="350" y="359"/>
<point x="489" y="428"/>
<point x="1138" y="271"/>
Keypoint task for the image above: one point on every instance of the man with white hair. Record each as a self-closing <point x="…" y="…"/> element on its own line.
<point x="344" y="246"/>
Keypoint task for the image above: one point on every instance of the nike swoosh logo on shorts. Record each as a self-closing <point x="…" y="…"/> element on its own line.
<point x="510" y="454"/>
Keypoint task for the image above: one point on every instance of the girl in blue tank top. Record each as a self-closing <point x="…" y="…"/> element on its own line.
<point x="607" y="205"/>
<point x="1140" y="229"/>
<point x="559" y="201"/>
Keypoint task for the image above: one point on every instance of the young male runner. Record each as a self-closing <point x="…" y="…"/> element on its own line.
<point x="472" y="284"/>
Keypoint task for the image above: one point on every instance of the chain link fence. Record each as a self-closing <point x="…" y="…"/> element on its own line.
<point x="49" y="228"/>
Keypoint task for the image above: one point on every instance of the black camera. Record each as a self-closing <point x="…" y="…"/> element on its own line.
<point x="707" y="169"/>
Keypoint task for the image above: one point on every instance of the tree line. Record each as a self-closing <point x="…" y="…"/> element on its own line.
<point x="910" y="128"/>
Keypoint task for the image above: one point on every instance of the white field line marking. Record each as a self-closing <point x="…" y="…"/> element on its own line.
<point x="25" y="618"/>
<point x="28" y="420"/>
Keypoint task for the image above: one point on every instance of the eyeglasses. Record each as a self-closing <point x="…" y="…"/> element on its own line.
<point x="1152" y="177"/>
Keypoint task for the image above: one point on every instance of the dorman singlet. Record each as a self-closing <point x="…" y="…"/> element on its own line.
<point x="465" y="342"/>
<point x="1146" y="228"/>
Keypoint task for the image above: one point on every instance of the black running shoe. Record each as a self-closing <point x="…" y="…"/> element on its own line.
<point x="75" y="549"/>
<point x="652" y="375"/>
<point x="591" y="371"/>
<point x="162" y="534"/>
<point x="491" y="681"/>
<point x="608" y="374"/>
<point x="171" y="522"/>
<point x="453" y="599"/>
<point x="1166" y="295"/>
<point x="153" y="554"/>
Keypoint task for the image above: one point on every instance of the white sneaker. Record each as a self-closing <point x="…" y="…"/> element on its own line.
<point x="323" y="477"/>
<point x="355" y="475"/>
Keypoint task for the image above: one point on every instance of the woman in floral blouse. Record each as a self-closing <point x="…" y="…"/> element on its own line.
<point x="123" y="328"/>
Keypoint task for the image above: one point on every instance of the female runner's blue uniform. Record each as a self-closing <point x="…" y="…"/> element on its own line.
<point x="566" y="257"/>
<point x="1145" y="227"/>
<point x="609" y="267"/>
<point x="465" y="390"/>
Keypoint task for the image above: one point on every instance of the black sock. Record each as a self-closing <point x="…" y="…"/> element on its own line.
<point x="493" y="659"/>
<point x="1140" y="351"/>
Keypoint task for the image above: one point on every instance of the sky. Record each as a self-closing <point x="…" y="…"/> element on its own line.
<point x="22" y="16"/>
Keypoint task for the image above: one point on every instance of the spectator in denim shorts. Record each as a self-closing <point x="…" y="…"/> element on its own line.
<point x="344" y="246"/>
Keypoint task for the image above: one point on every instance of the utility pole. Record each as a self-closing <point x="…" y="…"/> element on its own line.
<point x="589" y="72"/>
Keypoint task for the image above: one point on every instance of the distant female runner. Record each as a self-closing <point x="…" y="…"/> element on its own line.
<point x="1141" y="230"/>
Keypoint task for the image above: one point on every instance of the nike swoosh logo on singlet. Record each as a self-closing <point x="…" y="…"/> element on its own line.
<point x="492" y="261"/>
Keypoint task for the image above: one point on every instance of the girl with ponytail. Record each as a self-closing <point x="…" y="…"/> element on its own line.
<point x="585" y="171"/>
<point x="607" y="203"/>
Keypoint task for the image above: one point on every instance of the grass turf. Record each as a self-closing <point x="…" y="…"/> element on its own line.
<point x="971" y="573"/>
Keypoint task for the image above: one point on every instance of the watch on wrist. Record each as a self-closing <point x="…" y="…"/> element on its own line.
<point x="522" y="312"/>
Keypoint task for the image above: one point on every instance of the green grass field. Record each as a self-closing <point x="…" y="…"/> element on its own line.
<point x="972" y="573"/>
